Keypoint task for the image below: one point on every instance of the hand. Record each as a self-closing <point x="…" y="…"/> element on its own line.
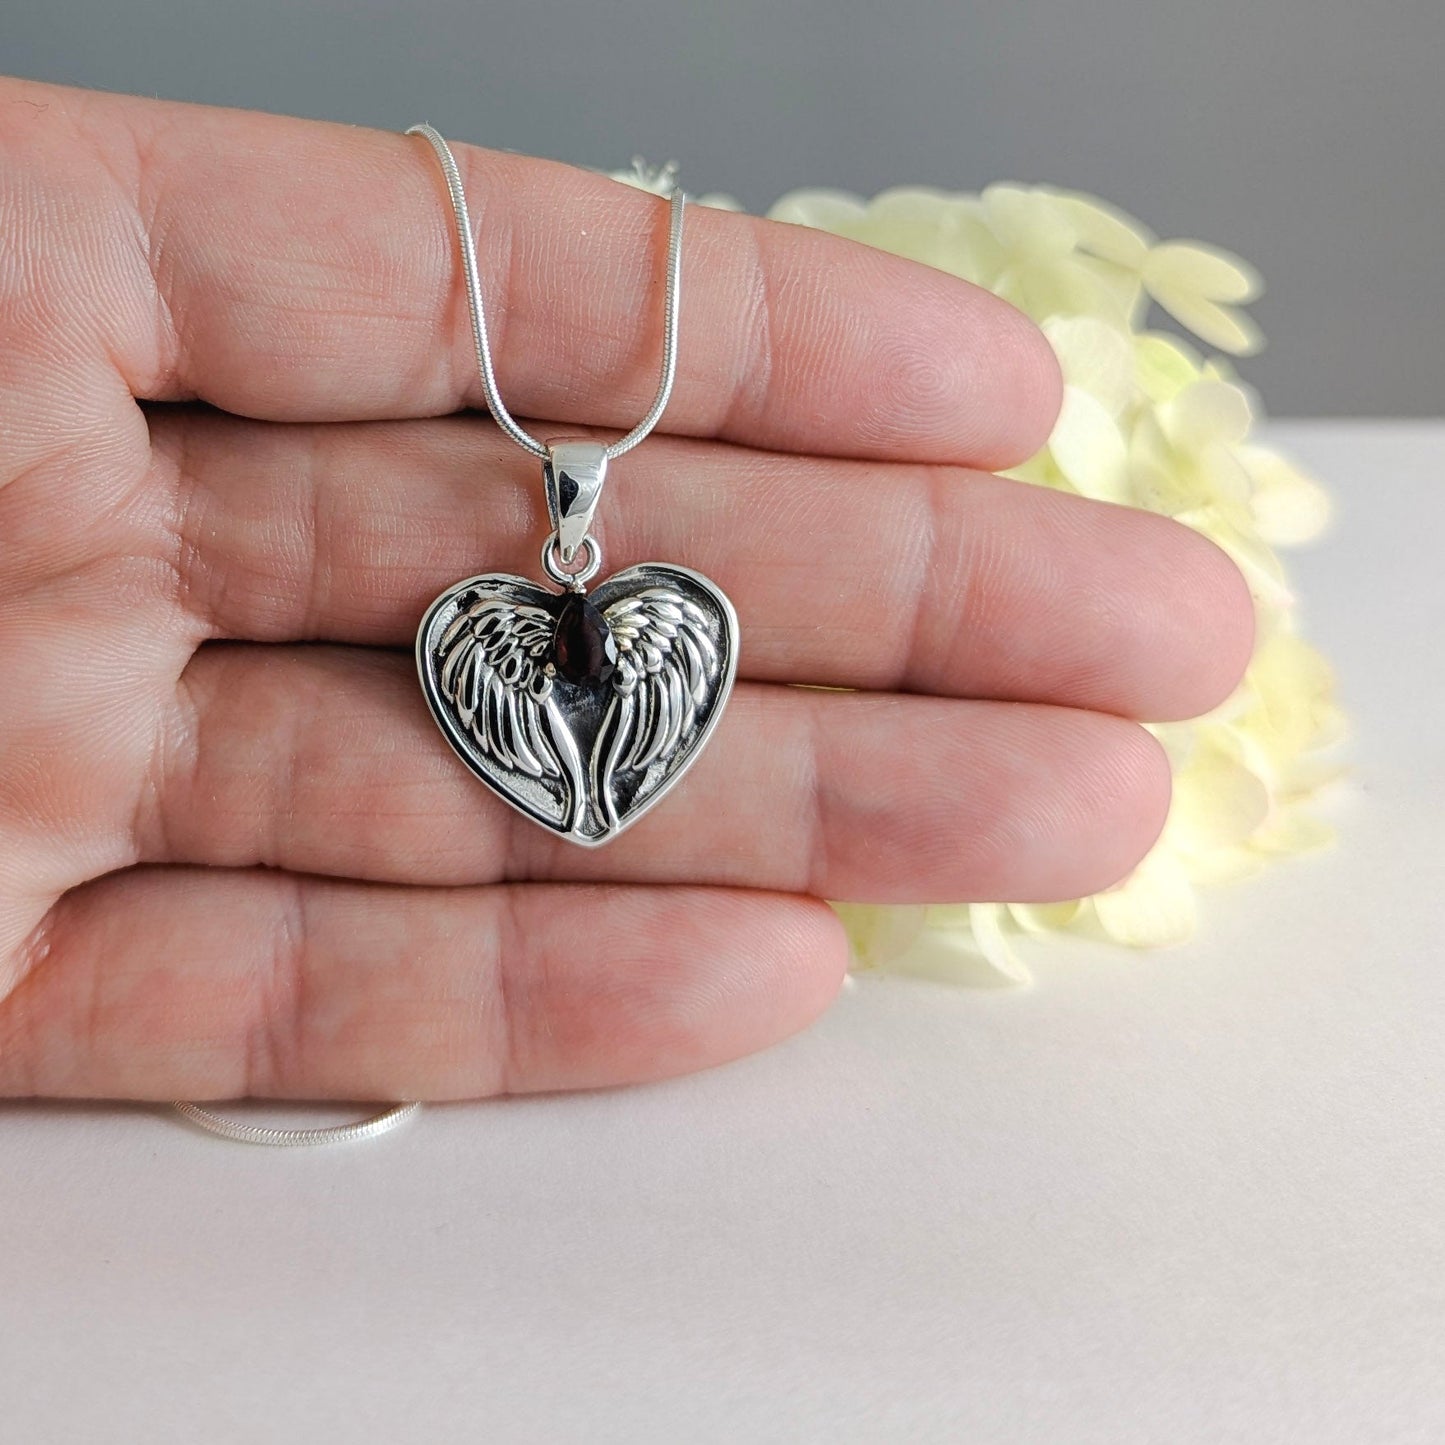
<point x="238" y="857"/>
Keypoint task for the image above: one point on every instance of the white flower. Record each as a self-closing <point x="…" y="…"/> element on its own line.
<point x="1146" y="421"/>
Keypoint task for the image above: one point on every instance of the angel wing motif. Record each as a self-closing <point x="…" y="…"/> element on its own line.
<point x="666" y="667"/>
<point x="493" y="669"/>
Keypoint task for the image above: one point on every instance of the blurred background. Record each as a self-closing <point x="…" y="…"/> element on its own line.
<point x="1308" y="135"/>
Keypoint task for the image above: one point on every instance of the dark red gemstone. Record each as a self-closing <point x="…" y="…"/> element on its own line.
<point x="583" y="651"/>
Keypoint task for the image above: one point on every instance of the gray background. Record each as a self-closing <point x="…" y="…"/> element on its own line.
<point x="1306" y="134"/>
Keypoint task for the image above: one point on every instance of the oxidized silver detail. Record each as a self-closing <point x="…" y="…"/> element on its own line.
<point x="584" y="761"/>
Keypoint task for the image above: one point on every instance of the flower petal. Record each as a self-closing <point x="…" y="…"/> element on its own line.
<point x="1041" y="918"/>
<point x="1089" y="449"/>
<point x="948" y="950"/>
<point x="1227" y="865"/>
<point x="1222" y="326"/>
<point x="823" y="208"/>
<point x="1295" y="831"/>
<point x="1218" y="803"/>
<point x="1164" y="366"/>
<point x="935" y="227"/>
<point x="1207" y="412"/>
<point x="1106" y="231"/>
<point x="1028" y="221"/>
<point x="1205" y="271"/>
<point x="1095" y="356"/>
<point x="877" y="933"/>
<point x="1293" y="686"/>
<point x="1154" y="908"/>
<point x="1289" y="507"/>
<point x="988" y="920"/>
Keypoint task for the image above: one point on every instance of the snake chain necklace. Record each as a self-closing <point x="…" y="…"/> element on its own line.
<point x="580" y="710"/>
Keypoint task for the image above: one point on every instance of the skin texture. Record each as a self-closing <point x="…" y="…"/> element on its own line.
<point x="236" y="857"/>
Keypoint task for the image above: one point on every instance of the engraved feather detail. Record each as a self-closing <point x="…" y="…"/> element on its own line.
<point x="493" y="669"/>
<point x="580" y="710"/>
<point x="667" y="666"/>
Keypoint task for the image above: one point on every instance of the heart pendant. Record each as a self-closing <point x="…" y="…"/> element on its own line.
<point x="580" y="709"/>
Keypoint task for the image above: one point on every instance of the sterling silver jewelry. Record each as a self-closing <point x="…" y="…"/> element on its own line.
<point x="212" y="1123"/>
<point x="580" y="711"/>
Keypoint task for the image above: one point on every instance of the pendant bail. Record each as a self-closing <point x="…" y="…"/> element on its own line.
<point x="573" y="472"/>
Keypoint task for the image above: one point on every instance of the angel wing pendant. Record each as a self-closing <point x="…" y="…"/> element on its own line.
<point x="580" y="709"/>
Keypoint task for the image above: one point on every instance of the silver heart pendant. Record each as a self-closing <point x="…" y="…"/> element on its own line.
<point x="580" y="709"/>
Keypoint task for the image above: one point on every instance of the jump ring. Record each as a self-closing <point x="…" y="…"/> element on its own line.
<point x="552" y="562"/>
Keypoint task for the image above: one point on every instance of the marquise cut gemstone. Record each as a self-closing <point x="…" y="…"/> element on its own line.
<point x="583" y="649"/>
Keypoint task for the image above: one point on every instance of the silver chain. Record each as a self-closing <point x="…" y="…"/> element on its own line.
<point x="382" y="1123"/>
<point x="495" y="404"/>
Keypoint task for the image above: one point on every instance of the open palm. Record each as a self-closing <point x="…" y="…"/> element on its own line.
<point x="236" y="856"/>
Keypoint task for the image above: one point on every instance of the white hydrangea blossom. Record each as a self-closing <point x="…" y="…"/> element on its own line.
<point x="1149" y="422"/>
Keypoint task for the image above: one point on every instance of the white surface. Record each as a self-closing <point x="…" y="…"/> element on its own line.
<point x="1193" y="1197"/>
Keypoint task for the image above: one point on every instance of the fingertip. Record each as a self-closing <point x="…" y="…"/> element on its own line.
<point x="1140" y="809"/>
<point x="1234" y="623"/>
<point x="1216" y="617"/>
<point x="802" y="947"/>
<point x="822" y="955"/>
<point x="1148" y="763"/>
<point x="960" y="376"/>
<point x="1028" y="383"/>
<point x="706" y="975"/>
<point x="871" y="354"/>
<point x="1121" y="784"/>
